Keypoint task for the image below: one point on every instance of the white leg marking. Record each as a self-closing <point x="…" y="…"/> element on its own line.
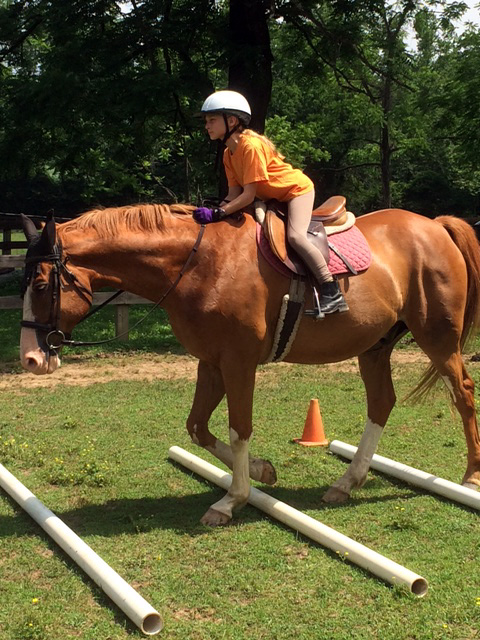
<point x="239" y="490"/>
<point x="224" y="453"/>
<point x="356" y="473"/>
<point x="193" y="436"/>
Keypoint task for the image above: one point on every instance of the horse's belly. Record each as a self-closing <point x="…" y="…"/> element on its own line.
<point x="341" y="336"/>
<point x="314" y="347"/>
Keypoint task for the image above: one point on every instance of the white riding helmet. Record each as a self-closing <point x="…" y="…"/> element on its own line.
<point x="228" y="103"/>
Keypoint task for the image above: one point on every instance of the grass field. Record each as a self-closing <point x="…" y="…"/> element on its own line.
<point x="96" y="454"/>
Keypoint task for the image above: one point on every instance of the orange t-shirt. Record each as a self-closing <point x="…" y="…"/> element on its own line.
<point x="255" y="161"/>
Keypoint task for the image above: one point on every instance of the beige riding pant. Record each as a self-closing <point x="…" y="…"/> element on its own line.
<point x="299" y="216"/>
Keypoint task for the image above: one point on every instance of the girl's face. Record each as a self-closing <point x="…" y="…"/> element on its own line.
<point x="215" y="125"/>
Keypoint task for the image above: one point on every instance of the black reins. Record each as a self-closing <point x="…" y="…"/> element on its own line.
<point x="55" y="338"/>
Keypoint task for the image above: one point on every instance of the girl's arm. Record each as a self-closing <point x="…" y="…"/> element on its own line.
<point x="246" y="197"/>
<point x="233" y="192"/>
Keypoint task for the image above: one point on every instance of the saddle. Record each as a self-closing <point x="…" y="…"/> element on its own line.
<point x="329" y="218"/>
<point x="346" y="253"/>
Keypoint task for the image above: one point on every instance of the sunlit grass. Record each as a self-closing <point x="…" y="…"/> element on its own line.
<point x="255" y="579"/>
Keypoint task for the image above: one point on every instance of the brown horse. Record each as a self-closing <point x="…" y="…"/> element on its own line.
<point x="424" y="277"/>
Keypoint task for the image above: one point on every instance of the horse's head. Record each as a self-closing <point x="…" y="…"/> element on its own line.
<point x="56" y="297"/>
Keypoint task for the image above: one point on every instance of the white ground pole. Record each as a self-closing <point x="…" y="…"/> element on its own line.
<point x="345" y="547"/>
<point x="122" y="594"/>
<point x="427" y="481"/>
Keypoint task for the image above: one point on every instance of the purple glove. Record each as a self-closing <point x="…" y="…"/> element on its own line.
<point x="204" y="215"/>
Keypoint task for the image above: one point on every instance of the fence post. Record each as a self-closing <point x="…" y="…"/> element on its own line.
<point x="7" y="239"/>
<point x="121" y="322"/>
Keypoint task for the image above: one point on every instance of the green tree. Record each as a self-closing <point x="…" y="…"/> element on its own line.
<point x="364" y="46"/>
<point x="98" y="99"/>
<point x="250" y="56"/>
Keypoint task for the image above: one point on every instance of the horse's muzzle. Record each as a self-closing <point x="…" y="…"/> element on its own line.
<point x="34" y="357"/>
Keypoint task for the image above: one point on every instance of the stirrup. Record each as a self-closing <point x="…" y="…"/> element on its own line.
<point x="316" y="313"/>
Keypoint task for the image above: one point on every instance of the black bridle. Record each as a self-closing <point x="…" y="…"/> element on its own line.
<point x="55" y="338"/>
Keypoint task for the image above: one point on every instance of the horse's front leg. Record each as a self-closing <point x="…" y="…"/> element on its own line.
<point x="239" y="384"/>
<point x="208" y="394"/>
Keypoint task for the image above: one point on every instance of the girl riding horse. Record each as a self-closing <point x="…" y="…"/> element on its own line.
<point x="255" y="169"/>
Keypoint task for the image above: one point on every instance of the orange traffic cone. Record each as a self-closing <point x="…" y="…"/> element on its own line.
<point x="313" y="433"/>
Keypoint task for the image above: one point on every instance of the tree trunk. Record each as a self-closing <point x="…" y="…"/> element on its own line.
<point x="250" y="70"/>
<point x="385" y="165"/>
<point x="385" y="146"/>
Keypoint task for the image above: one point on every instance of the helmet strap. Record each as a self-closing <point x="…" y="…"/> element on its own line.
<point x="222" y="143"/>
<point x="228" y="132"/>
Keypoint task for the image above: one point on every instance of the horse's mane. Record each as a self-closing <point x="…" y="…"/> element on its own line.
<point x="141" y="217"/>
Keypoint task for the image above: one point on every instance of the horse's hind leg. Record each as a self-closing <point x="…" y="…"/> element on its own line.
<point x="461" y="388"/>
<point x="209" y="392"/>
<point x="377" y="377"/>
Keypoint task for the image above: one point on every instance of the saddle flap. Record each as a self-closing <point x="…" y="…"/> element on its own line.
<point x="318" y="237"/>
<point x="274" y="228"/>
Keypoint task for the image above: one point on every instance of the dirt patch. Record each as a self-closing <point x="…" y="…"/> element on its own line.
<point x="84" y="370"/>
<point x="87" y="370"/>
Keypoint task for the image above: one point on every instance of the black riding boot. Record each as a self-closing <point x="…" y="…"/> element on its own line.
<point x="331" y="298"/>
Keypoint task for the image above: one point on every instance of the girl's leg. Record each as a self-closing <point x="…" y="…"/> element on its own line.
<point x="299" y="216"/>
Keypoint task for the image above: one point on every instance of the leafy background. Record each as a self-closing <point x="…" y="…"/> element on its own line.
<point x="98" y="99"/>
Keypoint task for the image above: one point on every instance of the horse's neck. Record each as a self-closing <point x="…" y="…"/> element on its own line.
<point x="137" y="262"/>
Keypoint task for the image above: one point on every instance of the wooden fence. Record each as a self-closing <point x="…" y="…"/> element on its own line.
<point x="12" y="222"/>
<point x="121" y="303"/>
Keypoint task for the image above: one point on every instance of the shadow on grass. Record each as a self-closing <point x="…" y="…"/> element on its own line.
<point x="176" y="513"/>
<point x="181" y="514"/>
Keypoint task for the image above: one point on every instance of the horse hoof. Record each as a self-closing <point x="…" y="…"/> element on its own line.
<point x="471" y="485"/>
<point x="334" y="495"/>
<point x="214" y="518"/>
<point x="269" y="475"/>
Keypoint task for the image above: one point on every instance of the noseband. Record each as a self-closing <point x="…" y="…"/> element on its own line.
<point x="55" y="338"/>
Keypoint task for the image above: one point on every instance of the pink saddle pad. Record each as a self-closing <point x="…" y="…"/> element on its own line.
<point x="350" y="243"/>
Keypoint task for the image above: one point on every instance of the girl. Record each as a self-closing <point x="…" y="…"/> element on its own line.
<point x="255" y="169"/>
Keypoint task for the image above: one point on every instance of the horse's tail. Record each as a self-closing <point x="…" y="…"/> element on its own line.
<point x="465" y="238"/>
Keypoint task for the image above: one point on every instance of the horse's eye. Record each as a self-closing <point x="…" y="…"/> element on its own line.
<point x="40" y="286"/>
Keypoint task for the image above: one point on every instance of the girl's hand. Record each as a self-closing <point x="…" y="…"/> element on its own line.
<point x="205" y="215"/>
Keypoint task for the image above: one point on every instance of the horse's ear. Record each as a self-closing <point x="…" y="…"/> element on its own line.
<point x="29" y="229"/>
<point x="49" y="234"/>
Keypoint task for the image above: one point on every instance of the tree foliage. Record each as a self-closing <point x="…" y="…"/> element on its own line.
<point x="98" y="98"/>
